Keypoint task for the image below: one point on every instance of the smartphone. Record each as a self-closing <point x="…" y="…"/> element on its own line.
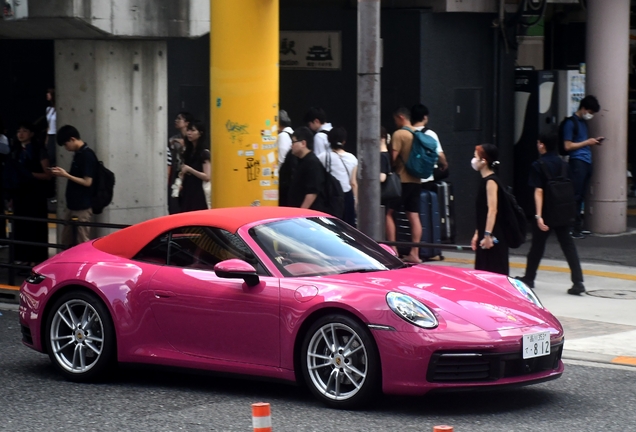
<point x="49" y="168"/>
<point x="600" y="140"/>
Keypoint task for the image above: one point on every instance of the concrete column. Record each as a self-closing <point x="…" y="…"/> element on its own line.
<point x="607" y="55"/>
<point x="115" y="94"/>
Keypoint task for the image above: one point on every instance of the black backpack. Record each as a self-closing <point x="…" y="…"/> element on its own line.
<point x="513" y="218"/>
<point x="559" y="205"/>
<point x="575" y="131"/>
<point x="103" y="187"/>
<point x="332" y="194"/>
<point x="285" y="175"/>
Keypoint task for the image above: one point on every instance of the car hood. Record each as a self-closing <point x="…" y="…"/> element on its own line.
<point x="486" y="300"/>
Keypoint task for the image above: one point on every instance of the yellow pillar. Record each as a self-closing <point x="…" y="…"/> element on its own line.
<point x="244" y="45"/>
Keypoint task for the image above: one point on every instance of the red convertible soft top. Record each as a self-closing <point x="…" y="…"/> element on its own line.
<point x="128" y="241"/>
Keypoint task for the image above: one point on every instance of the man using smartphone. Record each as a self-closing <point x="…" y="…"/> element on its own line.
<point x="578" y="145"/>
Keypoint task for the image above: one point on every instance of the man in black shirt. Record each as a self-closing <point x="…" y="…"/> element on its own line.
<point x="547" y="146"/>
<point x="308" y="180"/>
<point x="79" y="191"/>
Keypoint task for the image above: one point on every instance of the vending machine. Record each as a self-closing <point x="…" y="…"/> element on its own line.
<point x="535" y="112"/>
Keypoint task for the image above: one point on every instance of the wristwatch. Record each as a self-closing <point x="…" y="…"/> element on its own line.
<point x="537" y="217"/>
<point x="487" y="233"/>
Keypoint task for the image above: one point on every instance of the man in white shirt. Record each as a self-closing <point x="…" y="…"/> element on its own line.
<point x="316" y="120"/>
<point x="284" y="135"/>
<point x="419" y="120"/>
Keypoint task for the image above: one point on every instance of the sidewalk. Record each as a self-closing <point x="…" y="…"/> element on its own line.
<point x="600" y="325"/>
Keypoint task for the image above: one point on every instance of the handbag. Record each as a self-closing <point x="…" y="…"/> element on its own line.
<point x="391" y="188"/>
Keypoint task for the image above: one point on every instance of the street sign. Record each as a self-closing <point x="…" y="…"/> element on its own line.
<point x="310" y="50"/>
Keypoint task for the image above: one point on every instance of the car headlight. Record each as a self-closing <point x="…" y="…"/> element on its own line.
<point x="411" y="310"/>
<point x="526" y="291"/>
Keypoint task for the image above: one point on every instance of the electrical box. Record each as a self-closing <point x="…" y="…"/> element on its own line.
<point x="15" y="9"/>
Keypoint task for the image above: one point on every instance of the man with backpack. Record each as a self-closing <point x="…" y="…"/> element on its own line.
<point x="402" y="142"/>
<point x="316" y="120"/>
<point x="577" y="143"/>
<point x="555" y="210"/>
<point x="80" y="184"/>
<point x="419" y="120"/>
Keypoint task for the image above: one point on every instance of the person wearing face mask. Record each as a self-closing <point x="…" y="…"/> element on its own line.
<point x="578" y="145"/>
<point x="489" y="244"/>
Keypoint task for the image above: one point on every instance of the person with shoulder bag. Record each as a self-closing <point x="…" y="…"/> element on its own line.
<point x="555" y="205"/>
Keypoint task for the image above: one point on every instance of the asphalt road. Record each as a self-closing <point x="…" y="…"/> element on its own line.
<point x="33" y="397"/>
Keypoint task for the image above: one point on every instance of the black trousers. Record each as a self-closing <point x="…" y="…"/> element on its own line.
<point x="568" y="247"/>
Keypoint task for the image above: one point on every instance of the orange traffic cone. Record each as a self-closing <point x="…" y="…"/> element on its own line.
<point x="442" y="428"/>
<point x="261" y="417"/>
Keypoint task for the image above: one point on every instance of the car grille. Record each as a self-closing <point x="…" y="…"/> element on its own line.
<point x="463" y="367"/>
<point x="26" y="335"/>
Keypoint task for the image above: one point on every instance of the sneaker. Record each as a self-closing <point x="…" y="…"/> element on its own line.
<point x="586" y="232"/>
<point x="525" y="281"/>
<point x="577" y="235"/>
<point x="577" y="289"/>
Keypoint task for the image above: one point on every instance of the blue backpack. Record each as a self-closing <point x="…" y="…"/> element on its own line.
<point x="423" y="155"/>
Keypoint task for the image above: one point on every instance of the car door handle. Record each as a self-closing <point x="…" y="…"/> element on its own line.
<point x="163" y="294"/>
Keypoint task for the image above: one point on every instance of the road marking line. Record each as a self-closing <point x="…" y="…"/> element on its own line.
<point x="9" y="287"/>
<point x="624" y="360"/>
<point x="598" y="273"/>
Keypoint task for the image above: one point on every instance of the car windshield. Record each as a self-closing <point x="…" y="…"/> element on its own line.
<point x="321" y="246"/>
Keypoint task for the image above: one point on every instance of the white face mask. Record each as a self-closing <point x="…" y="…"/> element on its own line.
<point x="588" y="116"/>
<point x="474" y="162"/>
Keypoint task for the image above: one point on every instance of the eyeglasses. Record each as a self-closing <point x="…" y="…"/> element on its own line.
<point x="293" y="142"/>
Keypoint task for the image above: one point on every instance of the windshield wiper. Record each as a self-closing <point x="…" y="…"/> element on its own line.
<point x="362" y="270"/>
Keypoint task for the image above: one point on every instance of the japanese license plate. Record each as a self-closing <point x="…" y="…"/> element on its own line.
<point x="536" y="345"/>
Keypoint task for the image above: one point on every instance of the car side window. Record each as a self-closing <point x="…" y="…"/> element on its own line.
<point x="203" y="247"/>
<point x="155" y="252"/>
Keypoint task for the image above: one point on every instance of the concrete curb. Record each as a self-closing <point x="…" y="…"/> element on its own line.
<point x="598" y="358"/>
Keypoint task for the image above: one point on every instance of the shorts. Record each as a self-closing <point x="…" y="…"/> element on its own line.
<point x="410" y="198"/>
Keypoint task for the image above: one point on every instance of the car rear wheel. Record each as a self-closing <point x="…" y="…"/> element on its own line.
<point x="340" y="362"/>
<point x="80" y="337"/>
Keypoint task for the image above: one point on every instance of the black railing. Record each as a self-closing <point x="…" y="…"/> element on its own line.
<point x="11" y="241"/>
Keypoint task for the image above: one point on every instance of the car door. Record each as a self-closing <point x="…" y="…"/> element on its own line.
<point x="203" y="315"/>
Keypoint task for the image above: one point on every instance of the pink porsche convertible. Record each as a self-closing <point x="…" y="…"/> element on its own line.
<point x="289" y="294"/>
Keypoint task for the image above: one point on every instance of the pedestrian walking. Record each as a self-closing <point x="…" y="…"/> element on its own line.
<point x="79" y="185"/>
<point x="402" y="142"/>
<point x="308" y="180"/>
<point x="548" y="176"/>
<point x="344" y="167"/>
<point x="488" y="242"/>
<point x="316" y="120"/>
<point x="174" y="154"/>
<point x="30" y="172"/>
<point x="195" y="169"/>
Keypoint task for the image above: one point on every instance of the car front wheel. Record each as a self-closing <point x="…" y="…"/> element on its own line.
<point x="340" y="362"/>
<point x="80" y="337"/>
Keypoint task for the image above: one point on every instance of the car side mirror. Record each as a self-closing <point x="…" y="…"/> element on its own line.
<point x="388" y="248"/>
<point x="237" y="269"/>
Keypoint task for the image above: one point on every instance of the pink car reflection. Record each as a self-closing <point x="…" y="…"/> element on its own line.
<point x="284" y="293"/>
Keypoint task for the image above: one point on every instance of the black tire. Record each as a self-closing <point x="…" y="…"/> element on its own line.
<point x="80" y="336"/>
<point x="347" y="377"/>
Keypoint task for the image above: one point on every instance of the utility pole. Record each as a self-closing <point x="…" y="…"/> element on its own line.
<point x="368" y="118"/>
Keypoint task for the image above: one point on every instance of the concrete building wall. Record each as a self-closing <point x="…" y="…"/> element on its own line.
<point x="115" y="93"/>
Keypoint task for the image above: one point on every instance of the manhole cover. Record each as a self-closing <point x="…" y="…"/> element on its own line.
<point x="614" y="294"/>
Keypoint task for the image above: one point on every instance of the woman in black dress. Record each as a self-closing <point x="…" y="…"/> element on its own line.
<point x="195" y="169"/>
<point x="489" y="244"/>
<point x="31" y="164"/>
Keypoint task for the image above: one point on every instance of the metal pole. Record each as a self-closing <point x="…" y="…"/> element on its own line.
<point x="368" y="118"/>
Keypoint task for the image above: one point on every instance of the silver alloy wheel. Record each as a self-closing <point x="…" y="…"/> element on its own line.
<point x="77" y="336"/>
<point x="337" y="361"/>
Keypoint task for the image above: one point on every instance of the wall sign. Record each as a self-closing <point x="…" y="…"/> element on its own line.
<point x="310" y="50"/>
